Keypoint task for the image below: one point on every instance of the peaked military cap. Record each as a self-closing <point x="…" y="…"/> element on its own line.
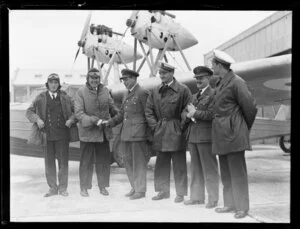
<point x="223" y="57"/>
<point x="202" y="71"/>
<point x="166" y="67"/>
<point x="128" y="72"/>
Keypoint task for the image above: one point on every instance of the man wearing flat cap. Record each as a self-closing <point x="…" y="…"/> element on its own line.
<point x="204" y="165"/>
<point x="163" y="112"/>
<point x="52" y="112"/>
<point x="133" y="133"/>
<point x="93" y="104"/>
<point x="235" y="111"/>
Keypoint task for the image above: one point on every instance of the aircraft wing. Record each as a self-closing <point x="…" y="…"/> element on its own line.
<point x="269" y="79"/>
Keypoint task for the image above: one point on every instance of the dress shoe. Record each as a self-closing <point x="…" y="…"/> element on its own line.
<point x="161" y="195"/>
<point x="211" y="204"/>
<point x="63" y="193"/>
<point x="240" y="214"/>
<point x="178" y="199"/>
<point x="104" y="192"/>
<point x="137" y="195"/>
<point x="84" y="193"/>
<point x="193" y="202"/>
<point x="225" y="209"/>
<point x="129" y="194"/>
<point x="51" y="192"/>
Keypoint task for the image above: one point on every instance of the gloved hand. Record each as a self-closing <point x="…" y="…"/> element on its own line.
<point x="40" y="123"/>
<point x="69" y="123"/>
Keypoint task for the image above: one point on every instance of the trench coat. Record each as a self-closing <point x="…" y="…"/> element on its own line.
<point x="235" y="111"/>
<point x="37" y="110"/>
<point x="163" y="114"/>
<point x="90" y="103"/>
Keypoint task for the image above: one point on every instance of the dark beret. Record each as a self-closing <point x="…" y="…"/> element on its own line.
<point x="202" y="69"/>
<point x="128" y="72"/>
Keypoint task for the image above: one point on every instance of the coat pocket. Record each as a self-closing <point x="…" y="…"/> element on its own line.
<point x="37" y="136"/>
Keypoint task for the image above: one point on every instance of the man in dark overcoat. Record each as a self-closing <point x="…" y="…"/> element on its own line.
<point x="204" y="165"/>
<point x="235" y="111"/>
<point x="163" y="112"/>
<point x="134" y="133"/>
<point x="53" y="112"/>
<point x="93" y="104"/>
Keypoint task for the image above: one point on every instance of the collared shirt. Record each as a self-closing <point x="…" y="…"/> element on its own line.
<point x="169" y="84"/>
<point x="203" y="89"/>
<point x="130" y="90"/>
<point x="52" y="94"/>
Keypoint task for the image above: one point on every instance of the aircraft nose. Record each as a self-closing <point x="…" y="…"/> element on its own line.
<point x="186" y="38"/>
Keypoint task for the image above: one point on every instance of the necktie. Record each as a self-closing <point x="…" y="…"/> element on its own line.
<point x="164" y="88"/>
<point x="199" y="94"/>
<point x="53" y="97"/>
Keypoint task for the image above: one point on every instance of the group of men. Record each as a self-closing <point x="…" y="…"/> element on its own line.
<point x="214" y="121"/>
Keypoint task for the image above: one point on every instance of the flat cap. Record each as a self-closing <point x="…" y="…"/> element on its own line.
<point x="53" y="76"/>
<point x="166" y="67"/>
<point x="129" y="72"/>
<point x="202" y="71"/>
<point x="223" y="57"/>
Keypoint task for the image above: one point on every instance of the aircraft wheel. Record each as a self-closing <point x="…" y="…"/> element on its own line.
<point x="285" y="143"/>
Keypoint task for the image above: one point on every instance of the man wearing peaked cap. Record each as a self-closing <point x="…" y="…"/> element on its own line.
<point x="235" y="110"/>
<point x="164" y="106"/>
<point x="204" y="166"/>
<point x="52" y="112"/>
<point x="134" y="134"/>
<point x="127" y="72"/>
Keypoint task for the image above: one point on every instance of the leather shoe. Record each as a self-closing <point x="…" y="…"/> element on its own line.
<point x="51" y="192"/>
<point x="104" y="192"/>
<point x="178" y="199"/>
<point x="129" y="194"/>
<point x="225" y="209"/>
<point x="63" y="193"/>
<point x="137" y="195"/>
<point x="240" y="214"/>
<point x="161" y="195"/>
<point x="193" y="202"/>
<point x="84" y="193"/>
<point x="211" y="204"/>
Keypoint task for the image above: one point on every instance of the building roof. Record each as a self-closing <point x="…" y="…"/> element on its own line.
<point x="39" y="76"/>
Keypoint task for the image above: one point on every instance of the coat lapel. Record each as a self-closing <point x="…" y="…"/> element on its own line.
<point x="63" y="105"/>
<point x="227" y="78"/>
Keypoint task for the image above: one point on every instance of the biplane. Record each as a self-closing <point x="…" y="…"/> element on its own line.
<point x="269" y="79"/>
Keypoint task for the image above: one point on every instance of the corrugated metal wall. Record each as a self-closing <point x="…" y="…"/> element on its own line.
<point x="269" y="37"/>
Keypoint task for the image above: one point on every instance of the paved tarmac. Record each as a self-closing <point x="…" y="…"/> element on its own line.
<point x="269" y="187"/>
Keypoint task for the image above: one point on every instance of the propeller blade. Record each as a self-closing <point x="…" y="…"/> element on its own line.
<point x="86" y="26"/>
<point x="76" y="55"/>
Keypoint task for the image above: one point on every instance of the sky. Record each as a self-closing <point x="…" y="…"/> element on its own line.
<point x="48" y="38"/>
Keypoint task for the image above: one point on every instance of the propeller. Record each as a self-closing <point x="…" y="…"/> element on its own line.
<point x="83" y="33"/>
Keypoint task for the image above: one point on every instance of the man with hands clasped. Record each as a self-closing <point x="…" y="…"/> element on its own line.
<point x="204" y="165"/>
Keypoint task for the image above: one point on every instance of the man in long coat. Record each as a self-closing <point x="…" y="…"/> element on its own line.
<point x="163" y="112"/>
<point x="93" y="104"/>
<point x="235" y="111"/>
<point x="52" y="112"/>
<point x="134" y="133"/>
<point x="204" y="165"/>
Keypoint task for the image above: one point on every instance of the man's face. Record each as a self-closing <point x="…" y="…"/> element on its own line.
<point x="53" y="85"/>
<point x="128" y="81"/>
<point x="202" y="80"/>
<point x="215" y="67"/>
<point x="94" y="80"/>
<point x="165" y="76"/>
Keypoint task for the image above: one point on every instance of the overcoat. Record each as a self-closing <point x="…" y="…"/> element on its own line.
<point x="90" y="103"/>
<point x="235" y="111"/>
<point x="200" y="130"/>
<point x="163" y="114"/>
<point x="132" y="115"/>
<point x="37" y="110"/>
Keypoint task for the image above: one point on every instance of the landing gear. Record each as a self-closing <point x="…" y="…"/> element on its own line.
<point x="285" y="143"/>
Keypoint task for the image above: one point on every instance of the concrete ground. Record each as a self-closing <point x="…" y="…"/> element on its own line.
<point x="269" y="187"/>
